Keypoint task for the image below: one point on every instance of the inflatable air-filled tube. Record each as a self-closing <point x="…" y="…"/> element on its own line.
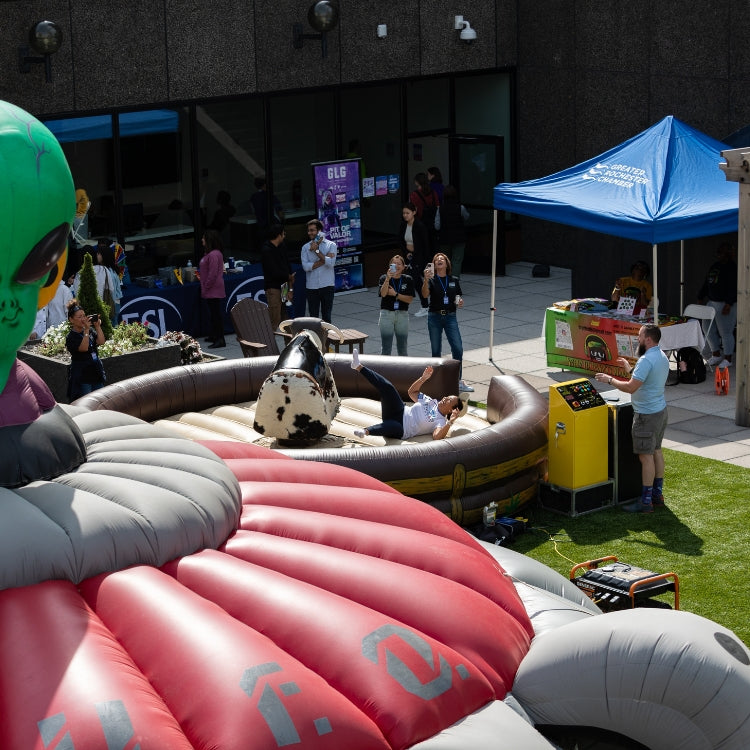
<point x="458" y="475"/>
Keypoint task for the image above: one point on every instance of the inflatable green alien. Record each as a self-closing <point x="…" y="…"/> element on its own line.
<point x="37" y="204"/>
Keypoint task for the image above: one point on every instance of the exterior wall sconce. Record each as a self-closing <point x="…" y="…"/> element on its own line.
<point x="323" y="16"/>
<point x="467" y="34"/>
<point x="45" y="38"/>
<point x="382" y="31"/>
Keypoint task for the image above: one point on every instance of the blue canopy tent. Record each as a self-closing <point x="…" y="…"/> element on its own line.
<point x="659" y="186"/>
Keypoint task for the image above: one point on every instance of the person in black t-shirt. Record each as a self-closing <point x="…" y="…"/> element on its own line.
<point x="396" y="291"/>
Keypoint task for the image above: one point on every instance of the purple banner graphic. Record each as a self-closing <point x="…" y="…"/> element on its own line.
<point x="337" y="200"/>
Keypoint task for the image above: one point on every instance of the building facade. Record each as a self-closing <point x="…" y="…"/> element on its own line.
<point x="545" y="84"/>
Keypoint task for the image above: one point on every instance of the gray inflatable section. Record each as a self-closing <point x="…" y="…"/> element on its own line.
<point x="549" y="599"/>
<point x="494" y="726"/>
<point x="665" y="678"/>
<point x="142" y="496"/>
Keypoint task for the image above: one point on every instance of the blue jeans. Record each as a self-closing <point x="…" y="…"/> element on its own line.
<point x="83" y="389"/>
<point x="391" y="406"/>
<point x="436" y="324"/>
<point x="390" y="322"/>
<point x="721" y="337"/>
<point x="320" y="298"/>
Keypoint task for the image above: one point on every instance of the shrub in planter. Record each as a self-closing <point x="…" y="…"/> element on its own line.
<point x="129" y="352"/>
<point x="89" y="299"/>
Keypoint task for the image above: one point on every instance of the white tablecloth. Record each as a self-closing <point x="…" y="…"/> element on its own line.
<point x="682" y="334"/>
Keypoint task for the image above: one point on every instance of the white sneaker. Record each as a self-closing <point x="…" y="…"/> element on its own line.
<point x="724" y="363"/>
<point x="422" y="312"/>
<point x="463" y="388"/>
<point x="713" y="361"/>
<point x="360" y="433"/>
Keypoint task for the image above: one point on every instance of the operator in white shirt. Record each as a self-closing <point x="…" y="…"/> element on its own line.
<point x="318" y="261"/>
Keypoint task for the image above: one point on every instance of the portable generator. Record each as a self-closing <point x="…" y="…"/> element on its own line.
<point x="617" y="585"/>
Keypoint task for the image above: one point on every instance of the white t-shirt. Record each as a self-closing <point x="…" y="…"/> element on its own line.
<point x="422" y="417"/>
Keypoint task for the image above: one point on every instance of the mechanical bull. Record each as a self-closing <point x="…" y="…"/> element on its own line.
<point x="298" y="400"/>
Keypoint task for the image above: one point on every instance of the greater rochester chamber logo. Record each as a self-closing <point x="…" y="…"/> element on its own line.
<point x="621" y="175"/>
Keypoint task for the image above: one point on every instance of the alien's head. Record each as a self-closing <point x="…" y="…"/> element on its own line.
<point x="37" y="204"/>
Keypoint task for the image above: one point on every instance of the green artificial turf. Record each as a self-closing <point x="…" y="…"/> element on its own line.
<point x="702" y="535"/>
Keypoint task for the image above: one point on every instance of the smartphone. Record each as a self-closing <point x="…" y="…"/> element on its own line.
<point x="393" y="268"/>
<point x="431" y="267"/>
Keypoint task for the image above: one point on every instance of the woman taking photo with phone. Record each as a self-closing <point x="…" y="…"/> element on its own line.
<point x="444" y="293"/>
<point x="396" y="290"/>
<point x="86" y="372"/>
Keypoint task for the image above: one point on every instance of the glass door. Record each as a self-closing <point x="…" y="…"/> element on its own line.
<point x="476" y="166"/>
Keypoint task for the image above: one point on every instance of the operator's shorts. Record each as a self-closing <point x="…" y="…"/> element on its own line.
<point x="648" y="431"/>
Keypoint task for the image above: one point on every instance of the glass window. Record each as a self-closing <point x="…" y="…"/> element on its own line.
<point x="428" y="105"/>
<point x="155" y="175"/>
<point x="303" y="127"/>
<point x="231" y="156"/>
<point x="87" y="144"/>
<point x="483" y="107"/>
<point x="371" y="129"/>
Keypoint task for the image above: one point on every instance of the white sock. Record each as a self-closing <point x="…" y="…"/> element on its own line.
<point x="360" y="433"/>
<point x="355" y="358"/>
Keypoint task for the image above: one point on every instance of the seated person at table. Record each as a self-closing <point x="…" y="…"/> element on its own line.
<point x="635" y="285"/>
<point x="424" y="417"/>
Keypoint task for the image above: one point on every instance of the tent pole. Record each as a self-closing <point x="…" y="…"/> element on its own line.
<point x="492" y="288"/>
<point x="656" y="283"/>
<point x="682" y="276"/>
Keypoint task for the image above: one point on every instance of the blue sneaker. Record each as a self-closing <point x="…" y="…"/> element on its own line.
<point x="638" y="507"/>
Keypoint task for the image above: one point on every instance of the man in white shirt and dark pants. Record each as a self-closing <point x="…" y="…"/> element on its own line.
<point x="318" y="261"/>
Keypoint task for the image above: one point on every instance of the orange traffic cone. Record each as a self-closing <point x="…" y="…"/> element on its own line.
<point x="721" y="381"/>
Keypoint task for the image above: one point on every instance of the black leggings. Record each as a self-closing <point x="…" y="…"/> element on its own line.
<point x="391" y="406"/>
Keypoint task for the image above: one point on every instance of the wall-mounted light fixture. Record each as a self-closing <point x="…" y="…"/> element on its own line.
<point x="323" y="16"/>
<point x="45" y="38"/>
<point x="382" y="31"/>
<point x="467" y="34"/>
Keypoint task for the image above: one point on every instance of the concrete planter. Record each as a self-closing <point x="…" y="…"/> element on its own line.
<point x="123" y="366"/>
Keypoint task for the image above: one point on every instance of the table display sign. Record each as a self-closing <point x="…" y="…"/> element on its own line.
<point x="338" y="199"/>
<point x="179" y="307"/>
<point x="591" y="343"/>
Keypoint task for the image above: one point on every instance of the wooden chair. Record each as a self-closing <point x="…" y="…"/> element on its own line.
<point x="252" y="324"/>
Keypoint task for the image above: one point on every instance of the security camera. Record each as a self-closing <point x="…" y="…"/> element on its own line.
<point x="467" y="33"/>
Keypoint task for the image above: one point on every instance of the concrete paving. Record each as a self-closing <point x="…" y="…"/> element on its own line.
<point x="700" y="422"/>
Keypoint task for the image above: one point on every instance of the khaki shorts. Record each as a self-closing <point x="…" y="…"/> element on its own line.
<point x="648" y="432"/>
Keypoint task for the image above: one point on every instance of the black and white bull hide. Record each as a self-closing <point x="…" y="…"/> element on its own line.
<point x="298" y="400"/>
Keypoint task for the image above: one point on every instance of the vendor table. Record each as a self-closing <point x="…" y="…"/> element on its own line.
<point x="589" y="343"/>
<point x="179" y="307"/>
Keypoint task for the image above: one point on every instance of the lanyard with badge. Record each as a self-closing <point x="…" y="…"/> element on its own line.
<point x="446" y="300"/>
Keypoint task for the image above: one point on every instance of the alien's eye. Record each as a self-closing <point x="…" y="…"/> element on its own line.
<point x="44" y="255"/>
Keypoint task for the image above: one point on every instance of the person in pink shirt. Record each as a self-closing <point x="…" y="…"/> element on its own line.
<point x="212" y="285"/>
